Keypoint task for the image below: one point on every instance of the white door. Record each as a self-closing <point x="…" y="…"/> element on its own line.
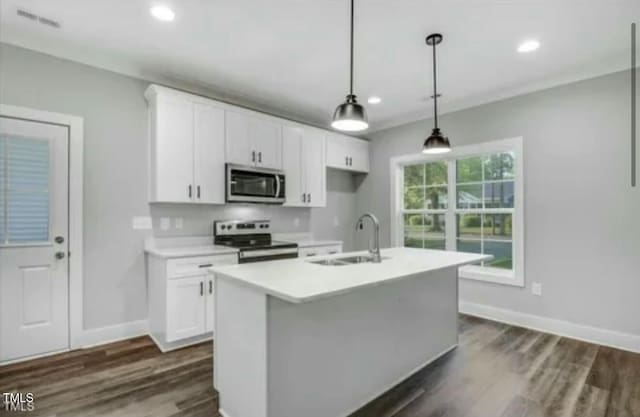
<point x="292" y="166"/>
<point x="174" y="151"/>
<point x="266" y="137"/>
<point x="34" y="270"/>
<point x="209" y="154"/>
<point x="238" y="146"/>
<point x="315" y="169"/>
<point x="185" y="307"/>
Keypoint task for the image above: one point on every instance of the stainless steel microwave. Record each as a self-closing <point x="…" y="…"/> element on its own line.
<point x="254" y="185"/>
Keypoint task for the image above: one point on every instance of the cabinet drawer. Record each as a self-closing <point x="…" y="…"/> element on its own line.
<point x="196" y="265"/>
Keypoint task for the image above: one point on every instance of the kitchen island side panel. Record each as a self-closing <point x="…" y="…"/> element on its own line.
<point x="329" y="357"/>
<point x="240" y="349"/>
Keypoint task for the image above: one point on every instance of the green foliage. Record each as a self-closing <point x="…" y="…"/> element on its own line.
<point x="471" y="221"/>
<point x="469" y="170"/>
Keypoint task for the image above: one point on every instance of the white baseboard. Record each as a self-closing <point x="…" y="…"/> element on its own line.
<point x="108" y="334"/>
<point x="619" y="340"/>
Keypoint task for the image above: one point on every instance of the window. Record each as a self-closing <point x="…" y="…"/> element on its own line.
<point x="469" y="200"/>
<point x="24" y="190"/>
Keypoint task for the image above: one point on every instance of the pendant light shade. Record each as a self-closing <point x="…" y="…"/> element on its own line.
<point x="436" y="142"/>
<point x="350" y="116"/>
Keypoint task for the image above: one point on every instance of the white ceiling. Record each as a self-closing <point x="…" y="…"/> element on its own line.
<point x="291" y="56"/>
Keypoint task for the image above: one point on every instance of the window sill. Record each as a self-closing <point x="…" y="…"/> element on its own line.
<point x="493" y="275"/>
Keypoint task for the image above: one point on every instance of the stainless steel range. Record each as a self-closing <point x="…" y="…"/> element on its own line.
<point x="253" y="239"/>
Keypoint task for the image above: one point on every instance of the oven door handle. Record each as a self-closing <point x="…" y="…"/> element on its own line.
<point x="277" y="186"/>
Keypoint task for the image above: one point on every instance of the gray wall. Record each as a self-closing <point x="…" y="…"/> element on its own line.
<point x="582" y="218"/>
<point x="115" y="179"/>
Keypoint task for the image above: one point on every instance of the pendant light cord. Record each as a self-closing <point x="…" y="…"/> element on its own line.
<point x="351" y="52"/>
<point x="435" y="89"/>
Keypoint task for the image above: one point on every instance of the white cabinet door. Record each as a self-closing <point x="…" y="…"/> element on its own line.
<point x="172" y="153"/>
<point x="359" y="155"/>
<point x="266" y="137"/>
<point x="314" y="167"/>
<point x="347" y="153"/>
<point x="209" y="154"/>
<point x="185" y="307"/>
<point x="295" y="189"/>
<point x="238" y="144"/>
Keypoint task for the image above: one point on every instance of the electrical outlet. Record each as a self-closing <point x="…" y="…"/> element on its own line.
<point x="179" y="222"/>
<point x="536" y="288"/>
<point x="296" y="222"/>
<point x="336" y="222"/>
<point x="165" y="223"/>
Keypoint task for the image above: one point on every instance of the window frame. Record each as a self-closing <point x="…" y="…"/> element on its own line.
<point x="513" y="277"/>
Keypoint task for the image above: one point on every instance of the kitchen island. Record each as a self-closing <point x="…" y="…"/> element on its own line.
<point x="320" y="337"/>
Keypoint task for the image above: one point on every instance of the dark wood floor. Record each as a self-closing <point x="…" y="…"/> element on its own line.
<point x="498" y="370"/>
<point x="129" y="378"/>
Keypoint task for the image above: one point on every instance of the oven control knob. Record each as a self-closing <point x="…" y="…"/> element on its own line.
<point x="266" y="226"/>
<point x="223" y="227"/>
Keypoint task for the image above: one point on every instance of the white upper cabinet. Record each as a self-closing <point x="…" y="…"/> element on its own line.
<point x="253" y="141"/>
<point x="171" y="150"/>
<point x="239" y="149"/>
<point x="192" y="138"/>
<point x="208" y="154"/>
<point x="304" y="166"/>
<point x="315" y="166"/>
<point x="187" y="149"/>
<point x="347" y="153"/>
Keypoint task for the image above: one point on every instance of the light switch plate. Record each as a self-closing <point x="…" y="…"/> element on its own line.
<point x="536" y="288"/>
<point x="141" y="223"/>
<point x="165" y="223"/>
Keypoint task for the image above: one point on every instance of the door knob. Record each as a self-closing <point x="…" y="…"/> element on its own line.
<point x="59" y="255"/>
<point x="59" y="239"/>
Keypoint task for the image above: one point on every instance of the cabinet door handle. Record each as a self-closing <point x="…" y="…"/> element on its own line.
<point x="201" y="287"/>
<point x="190" y="191"/>
<point x="350" y="161"/>
<point x="309" y="198"/>
<point x="198" y="192"/>
<point x="210" y="287"/>
<point x="346" y="160"/>
<point x="304" y="197"/>
<point x="205" y="265"/>
<point x="260" y="157"/>
<point x="253" y="156"/>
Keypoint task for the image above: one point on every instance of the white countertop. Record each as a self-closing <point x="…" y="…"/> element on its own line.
<point x="298" y="280"/>
<point x="186" y="251"/>
<point x="184" y="246"/>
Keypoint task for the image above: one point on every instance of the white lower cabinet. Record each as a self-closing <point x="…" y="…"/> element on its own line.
<point x="186" y="308"/>
<point x="181" y="297"/>
<point x="319" y="250"/>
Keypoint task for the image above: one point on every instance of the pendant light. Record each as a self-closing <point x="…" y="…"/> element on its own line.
<point x="436" y="142"/>
<point x="350" y="116"/>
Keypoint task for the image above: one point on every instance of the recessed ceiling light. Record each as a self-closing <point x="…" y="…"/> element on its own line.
<point x="163" y="13"/>
<point x="374" y="100"/>
<point x="528" y="46"/>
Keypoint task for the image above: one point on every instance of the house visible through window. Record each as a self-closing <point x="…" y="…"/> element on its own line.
<point x="468" y="202"/>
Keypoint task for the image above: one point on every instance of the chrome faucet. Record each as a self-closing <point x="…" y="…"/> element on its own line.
<point x="375" y="251"/>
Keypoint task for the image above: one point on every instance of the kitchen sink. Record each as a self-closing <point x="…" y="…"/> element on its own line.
<point x="347" y="260"/>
